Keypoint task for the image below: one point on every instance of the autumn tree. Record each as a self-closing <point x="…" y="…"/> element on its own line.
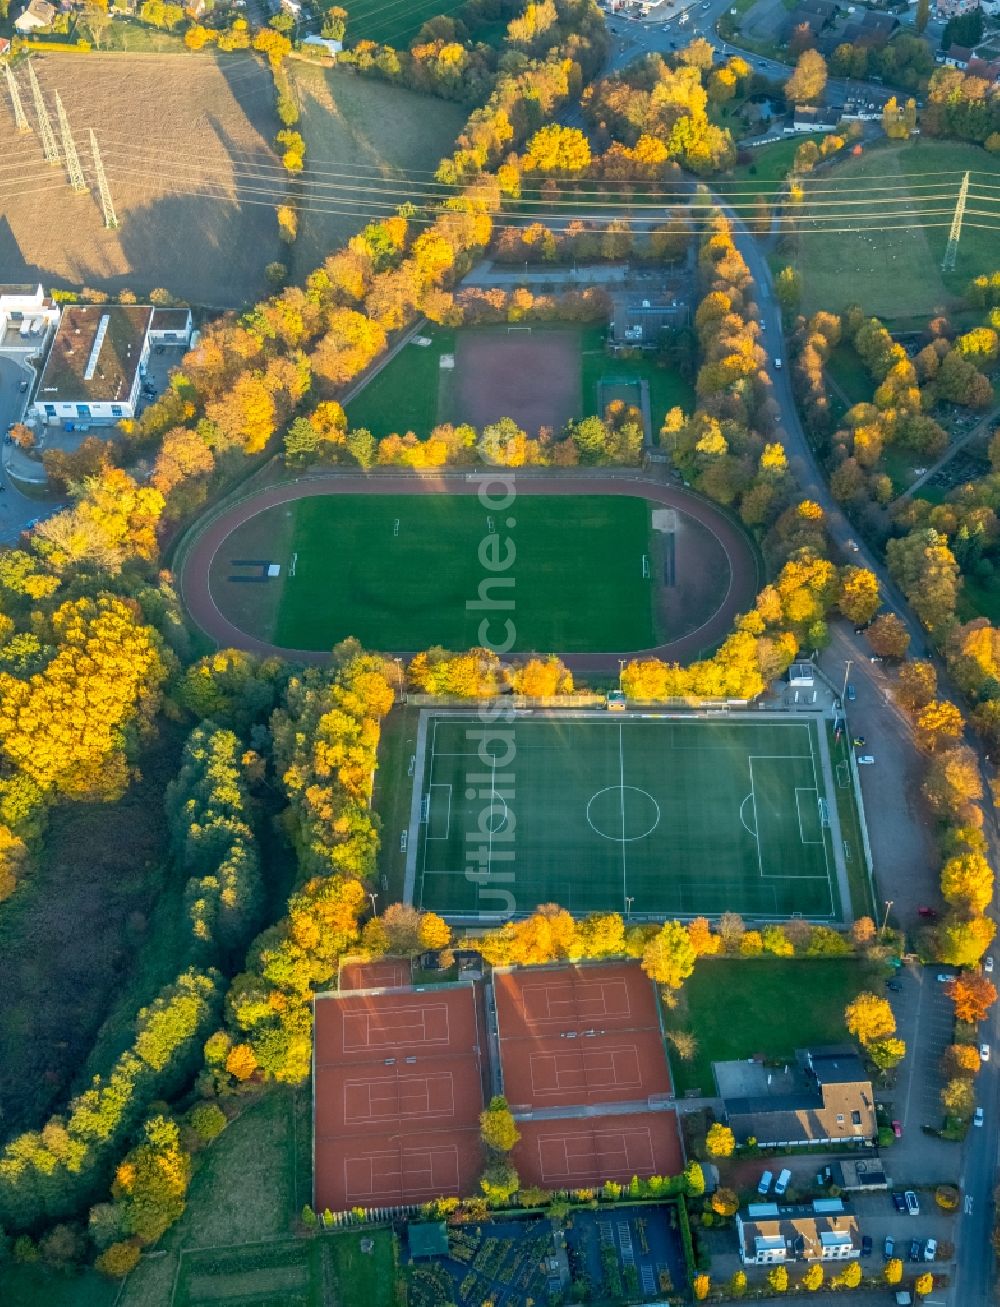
<point x="953" y="785"/>
<point x="777" y="1279"/>
<point x="962" y="943"/>
<point x="923" y="1285"/>
<point x="849" y="1277"/>
<point x="720" y="1140"/>
<point x="813" y="1278"/>
<point x="961" y="1060"/>
<point x="892" y="1273"/>
<point x="967" y="882"/>
<point x="958" y="1097"/>
<point x="924" y="567"/>
<point x="916" y="686"/>
<point x="497" y="1127"/>
<point x="888" y="636"/>
<point x="973" y="995"/>
<point x="808" y="80"/>
<point x="858" y="599"/>
<point x="869" y="1017"/>
<point x="939" y="725"/>
<point x="669" y="957"/>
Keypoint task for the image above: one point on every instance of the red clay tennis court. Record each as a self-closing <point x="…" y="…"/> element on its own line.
<point x="575" y="1153"/>
<point x="385" y="973"/>
<point x="579" y="1035"/>
<point x="398" y="1088"/>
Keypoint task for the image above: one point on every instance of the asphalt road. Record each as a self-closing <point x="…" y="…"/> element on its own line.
<point x="16" y="510"/>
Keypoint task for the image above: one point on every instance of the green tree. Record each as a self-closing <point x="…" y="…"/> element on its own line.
<point x="694" y="1179"/>
<point x="923" y="15"/>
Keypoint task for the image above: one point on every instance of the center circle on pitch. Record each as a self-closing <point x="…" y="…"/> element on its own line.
<point x="623" y="813"/>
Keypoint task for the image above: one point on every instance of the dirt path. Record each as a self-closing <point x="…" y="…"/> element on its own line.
<point x="739" y="597"/>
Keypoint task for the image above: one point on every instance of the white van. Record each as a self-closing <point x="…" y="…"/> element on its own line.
<point x="783" y="1180"/>
<point x="765" y="1182"/>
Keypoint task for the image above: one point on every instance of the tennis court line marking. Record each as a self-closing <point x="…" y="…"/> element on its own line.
<point x="805" y="789"/>
<point x="438" y="785"/>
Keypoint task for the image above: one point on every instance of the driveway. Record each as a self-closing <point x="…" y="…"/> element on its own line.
<point x="16" y="510"/>
<point x="903" y="848"/>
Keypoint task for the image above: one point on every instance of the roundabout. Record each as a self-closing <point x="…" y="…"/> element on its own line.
<point x="608" y="567"/>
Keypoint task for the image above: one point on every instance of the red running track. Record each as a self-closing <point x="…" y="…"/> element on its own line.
<point x="739" y="598"/>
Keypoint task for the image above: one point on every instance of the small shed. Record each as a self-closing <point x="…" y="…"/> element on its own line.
<point x="802" y="675"/>
<point x="427" y="1239"/>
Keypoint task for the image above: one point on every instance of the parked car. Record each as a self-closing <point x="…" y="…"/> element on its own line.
<point x="898" y="1201"/>
<point x="988" y="964"/>
<point x="930" y="1250"/>
<point x="783" y="1180"/>
<point x="765" y="1182"/>
<point x="866" y="760"/>
<point x="912" y="1203"/>
<point x="24" y="386"/>
<point x="927" y="912"/>
<point x="866" y="1246"/>
<point x="888" y="1246"/>
<point x="914" y="1253"/>
<point x="895" y="986"/>
<point x="984" y="1052"/>
<point x="852" y="694"/>
<point x="977" y="1119"/>
<point x="777" y="363"/>
<point x="897" y="1129"/>
<point x="944" y="977"/>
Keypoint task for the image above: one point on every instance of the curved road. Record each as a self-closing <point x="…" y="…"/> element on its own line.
<point x="194" y="578"/>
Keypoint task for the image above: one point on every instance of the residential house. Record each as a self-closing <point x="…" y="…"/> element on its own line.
<point x="807" y="118"/>
<point x="946" y="9"/>
<point x="94" y="367"/>
<point x="641" y="321"/>
<point x="771" y="1236"/>
<point x="825" y="1097"/>
<point x="956" y="56"/>
<point x="39" y="14"/>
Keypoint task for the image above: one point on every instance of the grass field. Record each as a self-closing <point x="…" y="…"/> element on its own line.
<point x="252" y="1182"/>
<point x="581" y="586"/>
<point x="657" y="816"/>
<point x="394" y="24"/>
<point x="850" y="374"/>
<point x="809" y="993"/>
<point x="405" y="395"/>
<point x="896" y="274"/>
<point x="181" y="223"/>
<point x="762" y="177"/>
<point x="355" y="128"/>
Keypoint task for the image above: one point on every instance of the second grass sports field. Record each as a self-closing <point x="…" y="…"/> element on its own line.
<point x="647" y="816"/>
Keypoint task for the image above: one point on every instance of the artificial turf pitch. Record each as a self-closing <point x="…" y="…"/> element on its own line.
<point x="392" y="568"/>
<point x="657" y="816"/>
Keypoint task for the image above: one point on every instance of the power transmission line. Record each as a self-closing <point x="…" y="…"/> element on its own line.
<point x="69" y="149"/>
<point x="955" y="235"/>
<point x="20" y="121"/>
<point x="49" y="147"/>
<point x="110" y="217"/>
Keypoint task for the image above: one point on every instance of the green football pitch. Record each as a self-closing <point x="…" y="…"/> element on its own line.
<point x="657" y="816"/>
<point x="401" y="571"/>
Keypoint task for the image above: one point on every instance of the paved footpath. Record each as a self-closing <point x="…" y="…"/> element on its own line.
<point x="197" y="560"/>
